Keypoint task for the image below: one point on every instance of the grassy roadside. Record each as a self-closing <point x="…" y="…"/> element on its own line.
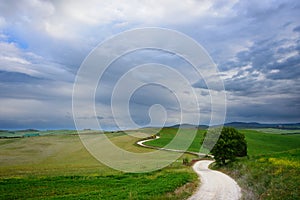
<point x="159" y="185"/>
<point x="271" y="176"/>
<point x="59" y="167"/>
<point x="167" y="134"/>
<point x="272" y="169"/>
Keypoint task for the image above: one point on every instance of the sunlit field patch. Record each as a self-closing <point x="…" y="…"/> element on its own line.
<point x="57" y="165"/>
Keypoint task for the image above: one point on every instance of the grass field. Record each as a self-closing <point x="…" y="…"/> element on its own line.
<point x="124" y="186"/>
<point x="270" y="176"/>
<point x="272" y="169"/>
<point x="258" y="142"/>
<point x="29" y="132"/>
<point x="278" y="131"/>
<point x="57" y="166"/>
<point x="167" y="134"/>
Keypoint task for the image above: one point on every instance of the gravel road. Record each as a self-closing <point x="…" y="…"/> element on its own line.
<point x="214" y="184"/>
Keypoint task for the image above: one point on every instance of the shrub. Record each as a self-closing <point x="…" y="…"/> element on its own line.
<point x="229" y="145"/>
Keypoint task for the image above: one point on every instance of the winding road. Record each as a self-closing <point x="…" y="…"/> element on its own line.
<point x="214" y="185"/>
<point x="141" y="143"/>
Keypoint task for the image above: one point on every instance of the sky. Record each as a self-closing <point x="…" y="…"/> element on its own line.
<point x="254" y="44"/>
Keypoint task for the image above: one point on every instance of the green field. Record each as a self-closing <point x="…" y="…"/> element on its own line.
<point x="272" y="169"/>
<point x="167" y="134"/>
<point x="271" y="176"/>
<point x="57" y="166"/>
<point x="32" y="132"/>
<point x="278" y="131"/>
<point x="258" y="142"/>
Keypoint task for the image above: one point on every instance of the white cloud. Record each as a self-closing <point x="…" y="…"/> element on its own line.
<point x="70" y="19"/>
<point x="49" y="39"/>
<point x="31" y="113"/>
<point x="147" y="12"/>
<point x="2" y="22"/>
<point x="13" y="59"/>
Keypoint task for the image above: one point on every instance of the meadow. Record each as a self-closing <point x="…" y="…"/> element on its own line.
<point x="272" y="168"/>
<point x="167" y="134"/>
<point x="57" y="166"/>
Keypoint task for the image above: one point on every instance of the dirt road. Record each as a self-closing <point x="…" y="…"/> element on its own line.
<point x="214" y="184"/>
<point x="141" y="143"/>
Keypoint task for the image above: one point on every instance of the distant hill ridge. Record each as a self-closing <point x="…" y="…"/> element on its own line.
<point x="188" y="126"/>
<point x="244" y="125"/>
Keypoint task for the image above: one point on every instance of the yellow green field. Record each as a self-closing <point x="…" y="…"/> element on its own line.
<point x="59" y="167"/>
<point x="271" y="170"/>
<point x="56" y="165"/>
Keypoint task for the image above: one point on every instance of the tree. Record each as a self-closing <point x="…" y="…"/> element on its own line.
<point x="229" y="145"/>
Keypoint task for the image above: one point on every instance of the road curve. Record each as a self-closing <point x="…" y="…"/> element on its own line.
<point x="214" y="185"/>
<point x="141" y="143"/>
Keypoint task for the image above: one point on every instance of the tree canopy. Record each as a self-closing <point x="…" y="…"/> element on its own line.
<point x="230" y="144"/>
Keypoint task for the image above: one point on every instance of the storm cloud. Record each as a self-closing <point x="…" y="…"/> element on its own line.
<point x="254" y="44"/>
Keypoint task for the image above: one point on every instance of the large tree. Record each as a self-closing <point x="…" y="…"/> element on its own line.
<point x="229" y="145"/>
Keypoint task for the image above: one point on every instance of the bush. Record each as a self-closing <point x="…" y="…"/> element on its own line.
<point x="229" y="145"/>
<point x="185" y="161"/>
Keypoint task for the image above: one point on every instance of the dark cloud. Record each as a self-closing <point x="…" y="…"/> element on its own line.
<point x="16" y="77"/>
<point x="289" y="69"/>
<point x="270" y="110"/>
<point x="150" y="95"/>
<point x="297" y="29"/>
<point x="91" y="117"/>
<point x="211" y="83"/>
<point x="255" y="44"/>
<point x="51" y="123"/>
